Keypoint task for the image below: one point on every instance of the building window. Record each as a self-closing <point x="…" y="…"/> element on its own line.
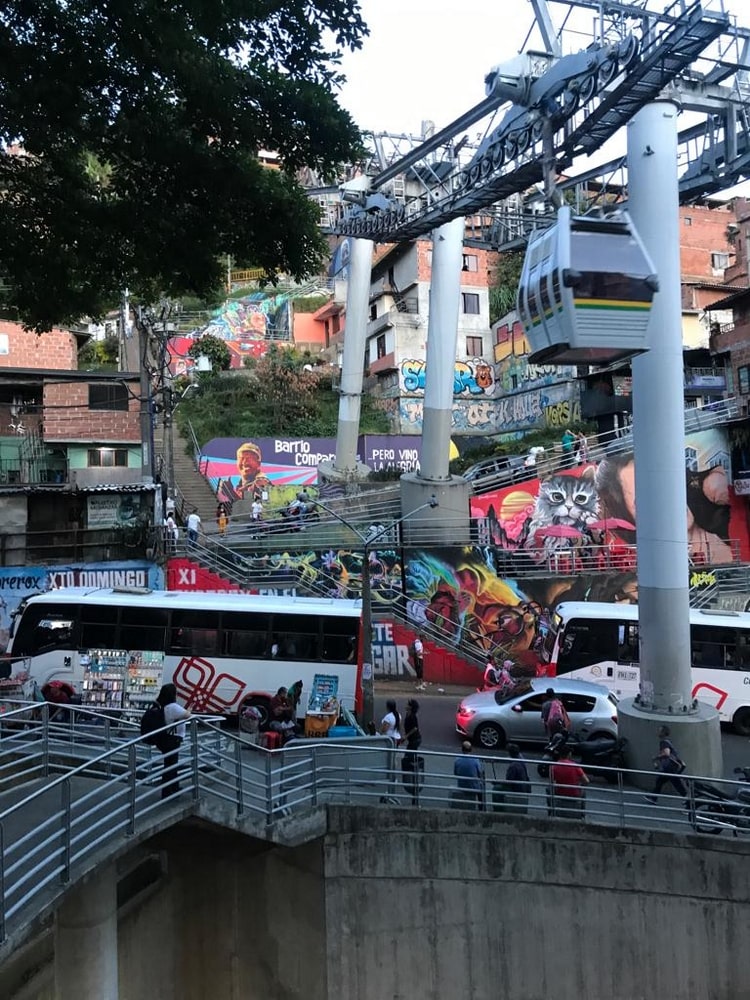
<point x="743" y="379"/>
<point x="111" y="396"/>
<point x="107" y="458"/>
<point x="474" y="347"/>
<point x="470" y="262"/>
<point x="470" y="303"/>
<point x="687" y="221"/>
<point x="719" y="260"/>
<point x="373" y="312"/>
<point x="380" y="346"/>
<point x="514" y="381"/>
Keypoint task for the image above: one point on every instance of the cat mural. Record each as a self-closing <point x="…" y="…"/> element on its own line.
<point x="564" y="508"/>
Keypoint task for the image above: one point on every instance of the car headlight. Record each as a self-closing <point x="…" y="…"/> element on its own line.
<point x="466" y="713"/>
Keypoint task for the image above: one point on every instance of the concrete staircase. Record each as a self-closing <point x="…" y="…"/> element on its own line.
<point x="191" y="487"/>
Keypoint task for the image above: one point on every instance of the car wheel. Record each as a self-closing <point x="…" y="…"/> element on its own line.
<point x="741" y="721"/>
<point x="600" y="735"/>
<point x="705" y="820"/>
<point x="489" y="736"/>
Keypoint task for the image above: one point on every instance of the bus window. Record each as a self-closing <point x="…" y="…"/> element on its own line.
<point x="99" y="626"/>
<point x="44" y="627"/>
<point x="585" y="643"/>
<point x="297" y="636"/>
<point x="340" y="639"/>
<point x="143" y="628"/>
<point x="714" y="646"/>
<point x="194" y="632"/>
<point x="246" y="635"/>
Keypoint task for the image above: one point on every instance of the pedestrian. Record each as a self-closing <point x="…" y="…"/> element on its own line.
<point x="256" y="510"/>
<point x="568" y="440"/>
<point x="193" y="526"/>
<point x="491" y="678"/>
<point x="505" y="680"/>
<point x="582" y="448"/>
<point x="170" y="742"/>
<point x="567" y="780"/>
<point x="470" y="773"/>
<point x="390" y="724"/>
<point x="412" y="764"/>
<point x="222" y="518"/>
<point x="670" y="766"/>
<point x="171" y="533"/>
<point x="554" y="716"/>
<point x="417" y="657"/>
<point x="169" y="506"/>
<point x="517" y="787"/>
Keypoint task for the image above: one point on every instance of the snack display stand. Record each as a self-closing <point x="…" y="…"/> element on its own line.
<point x="322" y="706"/>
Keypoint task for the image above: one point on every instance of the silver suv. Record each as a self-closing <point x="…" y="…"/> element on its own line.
<point x="491" y="719"/>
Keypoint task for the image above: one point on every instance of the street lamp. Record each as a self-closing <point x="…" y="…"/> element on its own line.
<point x="367" y="540"/>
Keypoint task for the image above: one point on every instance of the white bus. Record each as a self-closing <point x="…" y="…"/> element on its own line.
<point x="599" y="642"/>
<point x="222" y="651"/>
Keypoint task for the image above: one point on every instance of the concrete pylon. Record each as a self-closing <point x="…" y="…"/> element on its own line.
<point x="86" y="940"/>
<point x="665" y="696"/>
<point x="451" y="518"/>
<point x="345" y="467"/>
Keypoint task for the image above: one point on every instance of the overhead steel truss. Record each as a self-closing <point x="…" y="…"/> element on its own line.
<point x="693" y="53"/>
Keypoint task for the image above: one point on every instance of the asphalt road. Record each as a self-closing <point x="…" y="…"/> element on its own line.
<point x="437" y="716"/>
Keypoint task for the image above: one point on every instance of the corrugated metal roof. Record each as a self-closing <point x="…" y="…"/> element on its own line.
<point x="29" y="488"/>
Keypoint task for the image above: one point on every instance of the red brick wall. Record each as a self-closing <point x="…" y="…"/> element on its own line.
<point x="56" y="349"/>
<point x="481" y="278"/>
<point x="67" y="416"/>
<point x="706" y="234"/>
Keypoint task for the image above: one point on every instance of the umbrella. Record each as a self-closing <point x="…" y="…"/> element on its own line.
<point x="558" y="531"/>
<point x="611" y="524"/>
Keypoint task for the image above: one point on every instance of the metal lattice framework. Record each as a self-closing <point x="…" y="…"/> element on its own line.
<point x="567" y="107"/>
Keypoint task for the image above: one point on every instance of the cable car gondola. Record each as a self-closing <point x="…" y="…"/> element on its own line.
<point x="586" y="290"/>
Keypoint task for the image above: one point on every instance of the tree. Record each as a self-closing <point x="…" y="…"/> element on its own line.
<point x="504" y="290"/>
<point x="140" y="123"/>
<point x="214" y="349"/>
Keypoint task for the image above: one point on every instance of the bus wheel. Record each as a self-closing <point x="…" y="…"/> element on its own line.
<point x="741" y="721"/>
<point x="264" y="707"/>
<point x="490" y="736"/>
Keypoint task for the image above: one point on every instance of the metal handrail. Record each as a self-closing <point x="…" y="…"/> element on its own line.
<point x="51" y="835"/>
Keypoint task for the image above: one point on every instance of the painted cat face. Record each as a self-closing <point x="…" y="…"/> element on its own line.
<point x="563" y="499"/>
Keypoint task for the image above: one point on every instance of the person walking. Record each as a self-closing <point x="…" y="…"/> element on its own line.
<point x="582" y="448"/>
<point x="517" y="787"/>
<point x="470" y="773"/>
<point x="554" y="716"/>
<point x="417" y="656"/>
<point x="670" y="766"/>
<point x="491" y="677"/>
<point x="170" y="742"/>
<point x="222" y="518"/>
<point x="193" y="526"/>
<point x="390" y="725"/>
<point x="412" y="765"/>
<point x="568" y="440"/>
<point x="171" y="534"/>
<point x="567" y="781"/>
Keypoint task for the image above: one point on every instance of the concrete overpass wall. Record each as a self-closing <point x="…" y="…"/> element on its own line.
<point x="392" y="904"/>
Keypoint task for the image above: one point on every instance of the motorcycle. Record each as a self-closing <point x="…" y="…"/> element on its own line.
<point x="595" y="755"/>
<point x="714" y="810"/>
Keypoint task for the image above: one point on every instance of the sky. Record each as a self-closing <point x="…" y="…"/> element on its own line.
<point x="425" y="60"/>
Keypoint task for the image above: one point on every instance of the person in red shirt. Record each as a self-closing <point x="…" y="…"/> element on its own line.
<point x="568" y="780"/>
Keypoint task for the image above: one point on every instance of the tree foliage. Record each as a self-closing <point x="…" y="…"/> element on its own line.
<point x="503" y="291"/>
<point x="140" y="123"/>
<point x="215" y="349"/>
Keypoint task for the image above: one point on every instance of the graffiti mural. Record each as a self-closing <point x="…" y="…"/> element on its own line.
<point x="470" y="378"/>
<point x="588" y="512"/>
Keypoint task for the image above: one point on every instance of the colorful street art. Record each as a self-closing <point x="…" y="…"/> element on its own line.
<point x="590" y="509"/>
<point x="247" y="325"/>
<point x="237" y="467"/>
<point x="552" y="406"/>
<point x="472" y="378"/>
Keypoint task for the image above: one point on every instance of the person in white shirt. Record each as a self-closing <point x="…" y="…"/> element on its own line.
<point x="193" y="525"/>
<point x="256" y="510"/>
<point x="171" y="533"/>
<point x="170" y="743"/>
<point x="391" y="722"/>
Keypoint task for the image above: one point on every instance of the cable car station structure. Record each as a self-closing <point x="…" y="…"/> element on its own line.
<point x="645" y="63"/>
